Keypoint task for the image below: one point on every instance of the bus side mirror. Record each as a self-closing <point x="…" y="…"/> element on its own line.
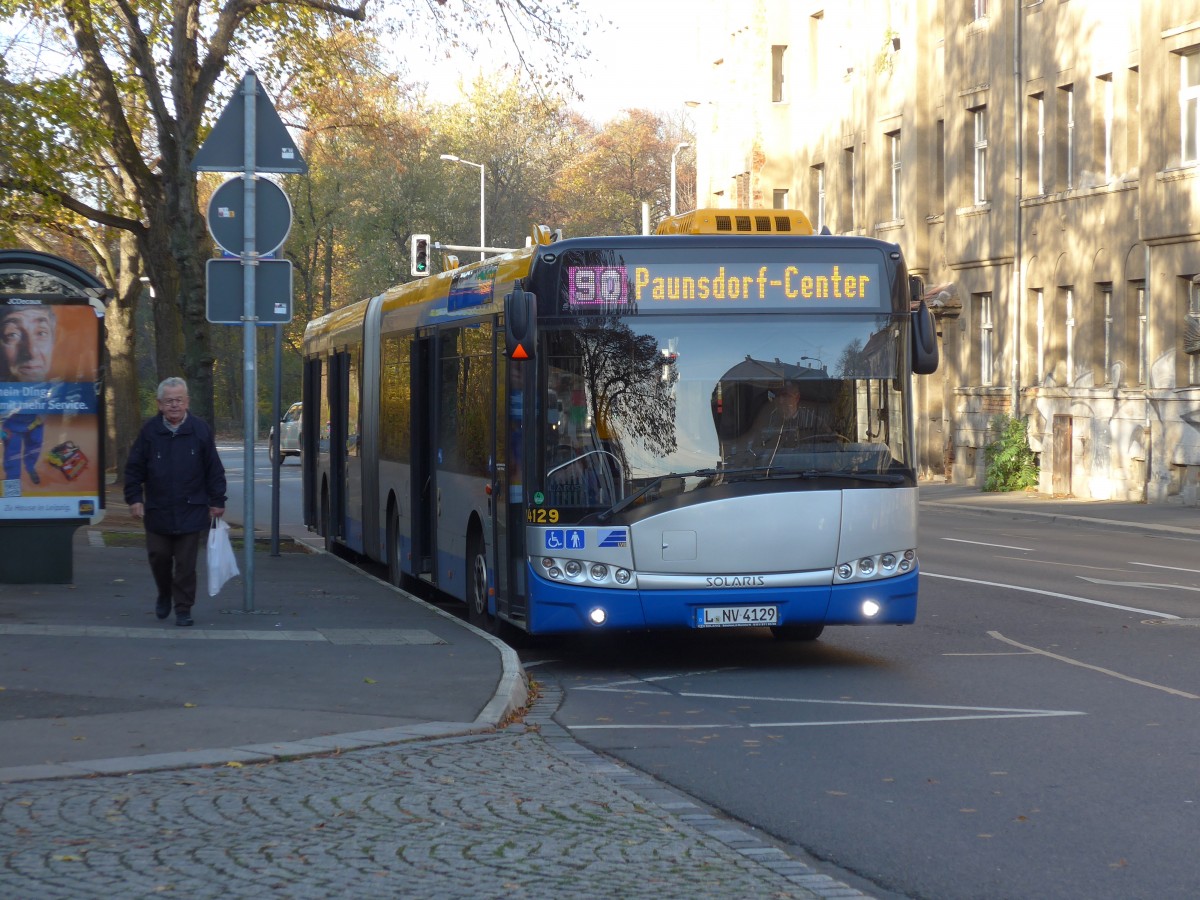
<point x="520" y="324"/>
<point x="924" y="341"/>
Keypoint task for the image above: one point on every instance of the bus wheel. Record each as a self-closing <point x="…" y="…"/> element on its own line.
<point x="797" y="632"/>
<point x="477" y="589"/>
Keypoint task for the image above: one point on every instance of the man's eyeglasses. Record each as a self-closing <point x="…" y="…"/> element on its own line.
<point x="174" y="401"/>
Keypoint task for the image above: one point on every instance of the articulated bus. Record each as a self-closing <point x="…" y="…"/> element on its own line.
<point x="707" y="427"/>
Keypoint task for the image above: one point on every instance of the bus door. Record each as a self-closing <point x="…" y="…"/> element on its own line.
<point x="338" y="426"/>
<point x="310" y="438"/>
<point x="424" y="437"/>
<point x="510" y="533"/>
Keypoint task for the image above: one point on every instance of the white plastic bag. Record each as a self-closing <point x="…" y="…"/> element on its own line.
<point x="222" y="564"/>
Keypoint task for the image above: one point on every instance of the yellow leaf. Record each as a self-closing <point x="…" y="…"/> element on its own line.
<point x="189" y="706"/>
<point x="369" y="680"/>
<point x="234" y="764"/>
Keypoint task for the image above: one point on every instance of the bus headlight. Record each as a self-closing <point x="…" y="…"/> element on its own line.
<point x="585" y="572"/>
<point x="872" y="568"/>
<point x="597" y="616"/>
<point x="870" y="609"/>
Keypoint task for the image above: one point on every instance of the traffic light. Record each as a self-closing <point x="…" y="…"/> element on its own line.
<point x="420" y="254"/>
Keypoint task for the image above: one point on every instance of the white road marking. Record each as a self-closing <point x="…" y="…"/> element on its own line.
<point x="1172" y="568"/>
<point x="1075" y="662"/>
<point x="969" y="713"/>
<point x="984" y="544"/>
<point x="1135" y="584"/>
<point x="1017" y="587"/>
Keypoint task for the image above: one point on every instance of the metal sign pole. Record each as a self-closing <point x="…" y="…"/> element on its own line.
<point x="276" y="403"/>
<point x="249" y="346"/>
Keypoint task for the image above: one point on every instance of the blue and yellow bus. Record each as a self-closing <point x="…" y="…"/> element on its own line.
<point x="707" y="427"/>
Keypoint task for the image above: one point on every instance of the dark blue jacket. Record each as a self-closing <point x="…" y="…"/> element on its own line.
<point x="177" y="475"/>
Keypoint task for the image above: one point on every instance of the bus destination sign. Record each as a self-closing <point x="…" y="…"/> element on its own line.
<point x="740" y="286"/>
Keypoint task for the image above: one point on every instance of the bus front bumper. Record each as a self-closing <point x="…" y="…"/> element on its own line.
<point x="561" y="608"/>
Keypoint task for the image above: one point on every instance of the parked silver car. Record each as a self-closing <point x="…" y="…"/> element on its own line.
<point x="289" y="433"/>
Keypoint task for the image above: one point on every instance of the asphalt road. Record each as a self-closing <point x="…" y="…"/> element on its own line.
<point x="1033" y="735"/>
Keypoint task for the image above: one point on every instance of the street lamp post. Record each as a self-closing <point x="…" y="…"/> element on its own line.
<point x="482" y="213"/>
<point x="674" y="156"/>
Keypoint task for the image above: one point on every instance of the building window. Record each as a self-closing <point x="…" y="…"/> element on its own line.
<point x="815" y="42"/>
<point x="939" y="166"/>
<point x="983" y="303"/>
<point x="1192" y="328"/>
<point x="779" y="198"/>
<point x="1039" y="298"/>
<point x="981" y="9"/>
<point x="1105" y="85"/>
<point x="777" y="55"/>
<point x="1069" y="331"/>
<point x="1189" y="105"/>
<point x="979" y="117"/>
<point x="850" y="172"/>
<point x="818" y="183"/>
<point x="1039" y="120"/>
<point x="894" y="146"/>
<point x="1133" y="116"/>
<point x="1136" y="318"/>
<point x="741" y="187"/>
<point x="1106" y="306"/>
<point x="1067" y="95"/>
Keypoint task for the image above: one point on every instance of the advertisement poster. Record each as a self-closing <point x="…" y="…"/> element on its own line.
<point x="49" y="409"/>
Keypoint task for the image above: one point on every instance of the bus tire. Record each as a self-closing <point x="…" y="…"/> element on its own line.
<point x="797" y="632"/>
<point x="477" y="584"/>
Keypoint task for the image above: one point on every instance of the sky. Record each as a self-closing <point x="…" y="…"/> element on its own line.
<point x="630" y="63"/>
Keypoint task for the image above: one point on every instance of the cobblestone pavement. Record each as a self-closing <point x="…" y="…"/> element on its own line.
<point x="521" y="812"/>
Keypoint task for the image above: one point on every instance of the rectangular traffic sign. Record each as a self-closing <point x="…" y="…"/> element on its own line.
<point x="226" y="293"/>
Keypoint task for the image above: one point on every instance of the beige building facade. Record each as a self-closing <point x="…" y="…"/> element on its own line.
<point x="1038" y="162"/>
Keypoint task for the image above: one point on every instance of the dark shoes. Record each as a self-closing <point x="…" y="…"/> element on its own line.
<point x="33" y="476"/>
<point x="184" y="619"/>
<point x="162" y="608"/>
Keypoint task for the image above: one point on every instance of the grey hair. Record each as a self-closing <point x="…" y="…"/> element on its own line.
<point x="173" y="382"/>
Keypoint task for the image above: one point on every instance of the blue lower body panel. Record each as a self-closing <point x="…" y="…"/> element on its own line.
<point x="555" y="607"/>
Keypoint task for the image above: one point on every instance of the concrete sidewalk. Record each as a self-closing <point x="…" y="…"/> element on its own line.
<point x="1144" y="517"/>
<point x="328" y="657"/>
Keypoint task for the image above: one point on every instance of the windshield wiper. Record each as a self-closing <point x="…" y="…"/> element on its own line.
<point x="880" y="477"/>
<point x="626" y="502"/>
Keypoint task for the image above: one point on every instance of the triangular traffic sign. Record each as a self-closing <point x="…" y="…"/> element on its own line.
<point x="225" y="149"/>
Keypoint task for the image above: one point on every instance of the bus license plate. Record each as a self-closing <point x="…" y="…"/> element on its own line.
<point x="730" y="616"/>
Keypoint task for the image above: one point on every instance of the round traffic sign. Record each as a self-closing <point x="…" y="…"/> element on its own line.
<point x="227" y="216"/>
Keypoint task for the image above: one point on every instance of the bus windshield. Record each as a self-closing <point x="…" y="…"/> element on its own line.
<point x="666" y="405"/>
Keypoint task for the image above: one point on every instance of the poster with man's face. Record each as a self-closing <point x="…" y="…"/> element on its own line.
<point x="49" y="409"/>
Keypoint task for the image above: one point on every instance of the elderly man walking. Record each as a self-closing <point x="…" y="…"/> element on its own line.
<point x="175" y="481"/>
